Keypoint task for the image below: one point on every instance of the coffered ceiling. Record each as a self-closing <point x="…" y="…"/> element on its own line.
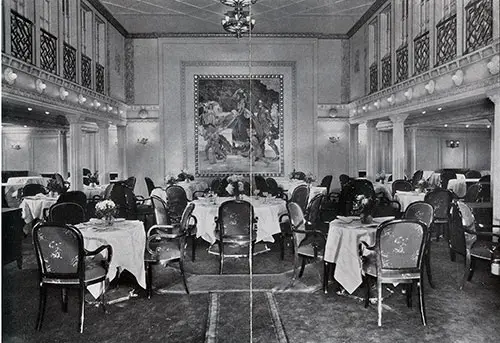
<point x="328" y="17"/>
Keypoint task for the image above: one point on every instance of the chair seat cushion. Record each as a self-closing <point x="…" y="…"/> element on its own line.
<point x="481" y="249"/>
<point x="164" y="251"/>
<point x="309" y="244"/>
<point x="370" y="268"/>
<point x="94" y="269"/>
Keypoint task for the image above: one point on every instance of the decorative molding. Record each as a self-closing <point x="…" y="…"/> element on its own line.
<point x="149" y="35"/>
<point x="138" y="107"/>
<point x="345" y="78"/>
<point x="129" y="71"/>
<point x="142" y="120"/>
<point x="366" y="17"/>
<point x="109" y="17"/>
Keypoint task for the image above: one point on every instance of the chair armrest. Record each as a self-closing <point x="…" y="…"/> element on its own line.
<point x="98" y="250"/>
<point x="163" y="229"/>
<point x="283" y="216"/>
<point x="195" y="220"/>
<point x="314" y="231"/>
<point x="197" y="193"/>
<point x="368" y="246"/>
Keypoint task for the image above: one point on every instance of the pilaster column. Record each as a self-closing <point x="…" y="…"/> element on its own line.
<point x="62" y="146"/>
<point x="398" y="146"/>
<point x="122" y="151"/>
<point x="495" y="167"/>
<point x="371" y="149"/>
<point x="76" y="168"/>
<point x="353" y="149"/>
<point x="413" y="150"/>
<point x="103" y="152"/>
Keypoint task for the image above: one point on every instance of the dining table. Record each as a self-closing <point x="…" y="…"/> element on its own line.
<point x="342" y="248"/>
<point x="192" y="186"/>
<point x="93" y="190"/>
<point x="14" y="184"/>
<point x="267" y="210"/>
<point x="127" y="239"/>
<point x="405" y="198"/>
<point x="289" y="185"/>
<point x="33" y="206"/>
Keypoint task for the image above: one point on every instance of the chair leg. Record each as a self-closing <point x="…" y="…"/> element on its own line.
<point x="366" y="281"/>
<point x="428" y="265"/>
<point x="468" y="269"/>
<point x="183" y="274"/>
<point x="64" y="296"/>
<point x="420" y="286"/>
<point x="453" y="256"/>
<point x="41" y="307"/>
<point x="326" y="268"/>
<point x="409" y="294"/>
<point x="282" y="246"/>
<point x="82" y="307"/>
<point x="302" y="267"/>
<point x="149" y="279"/>
<point x="221" y="257"/>
<point x="379" y="302"/>
<point x="295" y="265"/>
<point x="193" y="252"/>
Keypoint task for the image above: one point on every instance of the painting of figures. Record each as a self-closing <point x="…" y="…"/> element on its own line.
<point x="238" y="124"/>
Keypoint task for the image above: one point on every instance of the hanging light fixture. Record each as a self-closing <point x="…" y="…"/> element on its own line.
<point x="238" y="21"/>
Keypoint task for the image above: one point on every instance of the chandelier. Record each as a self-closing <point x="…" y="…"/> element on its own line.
<point x="238" y="21"/>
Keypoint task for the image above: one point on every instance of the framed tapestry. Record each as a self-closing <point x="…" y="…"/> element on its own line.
<point x="238" y="124"/>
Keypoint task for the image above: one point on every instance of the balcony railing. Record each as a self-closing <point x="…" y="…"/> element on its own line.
<point x="21" y="31"/>
<point x="402" y="63"/>
<point x="99" y="78"/>
<point x="446" y="42"/>
<point x="479" y="24"/>
<point x="69" y="62"/>
<point x="421" y="53"/>
<point x="373" y="77"/>
<point x="86" y="71"/>
<point x="48" y="51"/>
<point x="386" y="71"/>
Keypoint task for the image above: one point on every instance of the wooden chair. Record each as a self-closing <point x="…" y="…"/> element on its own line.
<point x="326" y="182"/>
<point x="473" y="174"/>
<point x="63" y="262"/>
<point x="150" y="185"/>
<point x="33" y="189"/>
<point x="440" y="199"/>
<point x="67" y="213"/>
<point x="401" y="185"/>
<point x="417" y="176"/>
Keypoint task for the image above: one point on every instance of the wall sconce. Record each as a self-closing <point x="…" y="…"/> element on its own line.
<point x="430" y="86"/>
<point x="494" y="65"/>
<point x="81" y="99"/>
<point x="96" y="104"/>
<point x="63" y="93"/>
<point x="143" y="113"/>
<point x="377" y="104"/>
<point x="365" y="108"/>
<point x="453" y="143"/>
<point x="40" y="86"/>
<point x="409" y="93"/>
<point x="109" y="108"/>
<point x="334" y="140"/>
<point x="9" y="76"/>
<point x="16" y="146"/>
<point x="142" y="140"/>
<point x="458" y="77"/>
<point x="391" y="99"/>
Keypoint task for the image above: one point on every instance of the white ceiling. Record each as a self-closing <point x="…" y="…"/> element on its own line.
<point x="327" y="17"/>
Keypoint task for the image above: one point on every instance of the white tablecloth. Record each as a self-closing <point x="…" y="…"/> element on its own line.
<point x="458" y="186"/>
<point x="385" y="188"/>
<point x="96" y="190"/>
<point x="266" y="210"/>
<point x="13" y="185"/>
<point x="435" y="179"/>
<point x="33" y="206"/>
<point x="128" y="241"/>
<point x="290" y="184"/>
<point x="406" y="198"/>
<point x="342" y="249"/>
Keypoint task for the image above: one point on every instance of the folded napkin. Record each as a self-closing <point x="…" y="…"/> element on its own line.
<point x="347" y="220"/>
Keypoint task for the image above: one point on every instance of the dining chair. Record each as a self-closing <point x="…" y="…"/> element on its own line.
<point x="473" y="174"/>
<point x="274" y="189"/>
<point x="66" y="213"/>
<point x="167" y="243"/>
<point x="386" y="208"/>
<point x="446" y="176"/>
<point x="401" y="185"/>
<point x="32" y="189"/>
<point x="466" y="240"/>
<point x="326" y="181"/>
<point x="176" y="200"/>
<point x="236" y="229"/>
<point x="150" y="185"/>
<point x="398" y="254"/>
<point x="63" y="262"/>
<point x="440" y="199"/>
<point x="260" y="184"/>
<point x="78" y="197"/>
<point x="417" y="176"/>
<point x="308" y="242"/>
<point x="424" y="212"/>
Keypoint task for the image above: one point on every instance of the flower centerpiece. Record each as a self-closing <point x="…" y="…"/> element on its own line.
<point x="94" y="178"/>
<point x="421" y="186"/>
<point x="54" y="188"/>
<point x="185" y="176"/>
<point x="235" y="185"/>
<point x="106" y="209"/>
<point x="170" y="180"/>
<point x="310" y="178"/>
<point x="363" y="206"/>
<point x="380" y="176"/>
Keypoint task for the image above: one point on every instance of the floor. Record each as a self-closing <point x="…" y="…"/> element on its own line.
<point x="279" y="313"/>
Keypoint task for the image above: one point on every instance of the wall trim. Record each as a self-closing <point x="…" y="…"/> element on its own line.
<point x="155" y="35"/>
<point x="109" y="17"/>
<point x="366" y="17"/>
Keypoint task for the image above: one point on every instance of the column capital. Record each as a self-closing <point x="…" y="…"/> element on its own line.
<point x="74" y="119"/>
<point x="371" y="123"/>
<point x="399" y="118"/>
<point x="353" y="125"/>
<point x="495" y="98"/>
<point x="102" y="125"/>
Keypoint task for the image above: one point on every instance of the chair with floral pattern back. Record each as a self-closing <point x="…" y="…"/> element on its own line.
<point x="424" y="212"/>
<point x="464" y="240"/>
<point x="236" y="228"/>
<point x="166" y="243"/>
<point x="399" y="251"/>
<point x="440" y="199"/>
<point x="176" y="202"/>
<point x="63" y="262"/>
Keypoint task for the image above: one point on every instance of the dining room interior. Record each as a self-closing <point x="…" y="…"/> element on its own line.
<point x="250" y="170"/>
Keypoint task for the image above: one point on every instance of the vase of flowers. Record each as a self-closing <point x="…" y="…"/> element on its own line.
<point x="310" y="178"/>
<point x="106" y="210"/>
<point x="363" y="206"/>
<point x="94" y="179"/>
<point x="185" y="176"/>
<point x="235" y="185"/>
<point x="54" y="188"/>
<point x="421" y="186"/>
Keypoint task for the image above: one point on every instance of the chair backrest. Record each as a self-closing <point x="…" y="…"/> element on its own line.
<point x="60" y="181"/>
<point x="440" y="199"/>
<point x="125" y="201"/>
<point x="150" y="185"/>
<point x="365" y="187"/>
<point x="401" y="185"/>
<point x="326" y="182"/>
<point x="297" y="221"/>
<point x="235" y="219"/>
<point x="461" y="219"/>
<point x="176" y="202"/>
<point x="214" y="185"/>
<point x="107" y="191"/>
<point x="59" y="251"/>
<point x="447" y="175"/>
<point x="246" y="188"/>
<point x="159" y="200"/>
<point x="300" y="195"/>
<point x="472" y="194"/>
<point x="67" y="213"/>
<point x="417" y="176"/>
<point x="272" y="185"/>
<point x="74" y="196"/>
<point x="222" y="192"/>
<point x="420" y="210"/>
<point x="299" y="175"/>
<point x="33" y="189"/>
<point x="260" y="184"/>
<point x="473" y="174"/>
<point x="130" y="182"/>
<point x="385" y="208"/>
<point x="485" y="179"/>
<point x="400" y="245"/>
<point x="313" y="211"/>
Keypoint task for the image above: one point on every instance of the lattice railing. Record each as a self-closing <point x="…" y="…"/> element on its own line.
<point x="86" y="71"/>
<point x="421" y="53"/>
<point x="69" y="62"/>
<point x="402" y="63"/>
<point x="48" y="51"/>
<point x="99" y="78"/>
<point x="386" y="71"/>
<point x="373" y="77"/>
<point x="479" y="24"/>
<point x="446" y="42"/>
<point x="21" y="32"/>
